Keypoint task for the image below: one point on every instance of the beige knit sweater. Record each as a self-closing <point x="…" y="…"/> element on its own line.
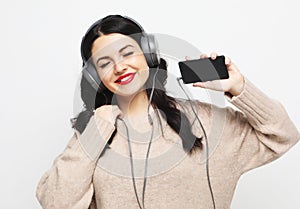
<point x="238" y="141"/>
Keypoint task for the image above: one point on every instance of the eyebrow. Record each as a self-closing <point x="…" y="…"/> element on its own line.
<point x="106" y="57"/>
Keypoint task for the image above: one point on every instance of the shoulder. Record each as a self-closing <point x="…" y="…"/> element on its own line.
<point x="202" y="109"/>
<point x="210" y="114"/>
<point x="188" y="106"/>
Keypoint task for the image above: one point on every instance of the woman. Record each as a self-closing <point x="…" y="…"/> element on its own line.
<point x="129" y="112"/>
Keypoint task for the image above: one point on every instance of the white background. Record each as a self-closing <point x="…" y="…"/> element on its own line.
<point x="40" y="65"/>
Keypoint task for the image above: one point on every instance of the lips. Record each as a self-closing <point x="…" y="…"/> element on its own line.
<point x="125" y="79"/>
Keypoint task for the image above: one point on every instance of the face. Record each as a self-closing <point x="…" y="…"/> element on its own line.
<point x="120" y="63"/>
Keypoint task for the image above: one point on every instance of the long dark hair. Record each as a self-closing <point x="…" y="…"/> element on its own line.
<point x="93" y="99"/>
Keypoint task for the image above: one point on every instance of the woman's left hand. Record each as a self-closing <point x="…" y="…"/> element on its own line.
<point x="233" y="85"/>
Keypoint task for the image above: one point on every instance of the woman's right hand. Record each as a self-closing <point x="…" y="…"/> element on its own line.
<point x="108" y="113"/>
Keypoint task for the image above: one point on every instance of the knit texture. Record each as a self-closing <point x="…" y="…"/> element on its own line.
<point x="238" y="141"/>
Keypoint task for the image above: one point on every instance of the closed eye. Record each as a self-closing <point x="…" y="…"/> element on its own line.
<point x="104" y="65"/>
<point x="128" y="54"/>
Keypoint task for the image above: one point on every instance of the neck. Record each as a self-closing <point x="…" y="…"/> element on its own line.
<point x="135" y="105"/>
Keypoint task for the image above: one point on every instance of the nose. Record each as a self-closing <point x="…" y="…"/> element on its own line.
<point x="120" y="68"/>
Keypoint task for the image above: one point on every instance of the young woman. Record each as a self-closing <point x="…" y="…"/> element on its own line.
<point x="134" y="146"/>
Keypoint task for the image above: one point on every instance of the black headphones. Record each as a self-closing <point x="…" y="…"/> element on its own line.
<point x="148" y="45"/>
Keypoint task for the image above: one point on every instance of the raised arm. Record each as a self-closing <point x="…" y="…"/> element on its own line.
<point x="68" y="183"/>
<point x="259" y="133"/>
<point x="263" y="128"/>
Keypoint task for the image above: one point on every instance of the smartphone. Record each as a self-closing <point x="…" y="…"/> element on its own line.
<point x="205" y="69"/>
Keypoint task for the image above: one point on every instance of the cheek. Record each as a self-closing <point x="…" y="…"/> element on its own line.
<point x="104" y="73"/>
<point x="138" y="62"/>
<point x="106" y="79"/>
<point x="143" y="77"/>
<point x="145" y="73"/>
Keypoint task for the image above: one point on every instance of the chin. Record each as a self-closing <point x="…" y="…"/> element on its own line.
<point x="129" y="92"/>
<point x="134" y="87"/>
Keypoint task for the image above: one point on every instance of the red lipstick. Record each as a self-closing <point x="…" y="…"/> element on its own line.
<point x="125" y="79"/>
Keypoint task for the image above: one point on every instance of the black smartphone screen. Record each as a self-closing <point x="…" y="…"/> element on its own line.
<point x="206" y="69"/>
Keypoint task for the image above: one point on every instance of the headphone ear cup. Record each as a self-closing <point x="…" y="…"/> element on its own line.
<point x="91" y="75"/>
<point x="150" y="49"/>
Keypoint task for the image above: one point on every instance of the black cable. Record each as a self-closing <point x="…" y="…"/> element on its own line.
<point x="206" y="141"/>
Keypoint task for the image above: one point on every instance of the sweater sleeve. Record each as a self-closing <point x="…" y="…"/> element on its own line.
<point x="68" y="183"/>
<point x="263" y="128"/>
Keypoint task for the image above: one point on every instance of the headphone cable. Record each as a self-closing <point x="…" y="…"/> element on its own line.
<point x="206" y="141"/>
<point x="148" y="150"/>
<point x="132" y="169"/>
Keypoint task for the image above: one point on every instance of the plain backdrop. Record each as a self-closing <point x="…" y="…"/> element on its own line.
<point x="40" y="65"/>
